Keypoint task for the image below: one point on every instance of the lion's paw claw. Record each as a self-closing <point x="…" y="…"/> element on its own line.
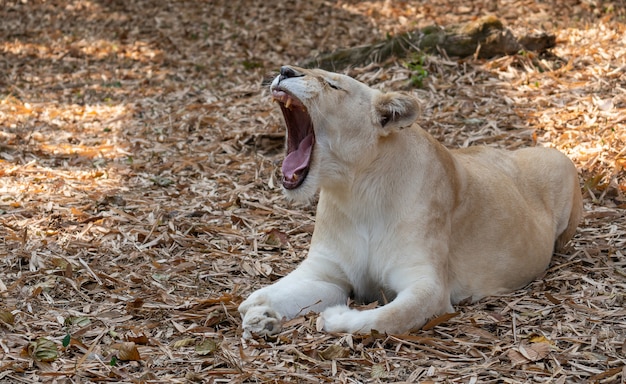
<point x="261" y="321"/>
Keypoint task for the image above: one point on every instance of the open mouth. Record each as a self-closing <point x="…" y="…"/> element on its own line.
<point x="300" y="139"/>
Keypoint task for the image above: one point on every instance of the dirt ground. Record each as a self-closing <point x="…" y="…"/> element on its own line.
<point x="139" y="201"/>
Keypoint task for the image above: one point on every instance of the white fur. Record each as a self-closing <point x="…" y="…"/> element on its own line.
<point x="402" y="219"/>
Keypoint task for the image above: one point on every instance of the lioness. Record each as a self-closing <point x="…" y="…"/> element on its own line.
<point x="400" y="218"/>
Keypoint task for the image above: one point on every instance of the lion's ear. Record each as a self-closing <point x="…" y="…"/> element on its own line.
<point x="395" y="110"/>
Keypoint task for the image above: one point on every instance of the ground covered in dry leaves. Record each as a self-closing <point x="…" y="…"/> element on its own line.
<point x="139" y="201"/>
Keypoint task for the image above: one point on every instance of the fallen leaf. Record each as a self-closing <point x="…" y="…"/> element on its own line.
<point x="552" y="299"/>
<point x="535" y="351"/>
<point x="206" y="347"/>
<point x="607" y="373"/>
<point x="66" y="340"/>
<point x="536" y="338"/>
<point x="276" y="238"/>
<point x="140" y="339"/>
<point x="516" y="357"/>
<point x="527" y="353"/>
<point x="6" y="317"/>
<point x="43" y="350"/>
<point x="183" y="342"/>
<point x="378" y="371"/>
<point x="438" y="320"/>
<point x="128" y="352"/>
<point x="135" y="304"/>
<point x="80" y="321"/>
<point x="334" y="352"/>
<point x="319" y="324"/>
<point x="477" y="332"/>
<point x="77" y="212"/>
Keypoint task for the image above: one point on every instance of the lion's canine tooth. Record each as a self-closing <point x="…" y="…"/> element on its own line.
<point x="288" y="103"/>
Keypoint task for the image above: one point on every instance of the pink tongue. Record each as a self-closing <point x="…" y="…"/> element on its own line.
<point x="298" y="159"/>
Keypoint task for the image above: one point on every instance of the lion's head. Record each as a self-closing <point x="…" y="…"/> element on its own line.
<point x="334" y="124"/>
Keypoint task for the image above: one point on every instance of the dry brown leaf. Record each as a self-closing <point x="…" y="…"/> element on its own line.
<point x="608" y="373"/>
<point x="334" y="352"/>
<point x="276" y="238"/>
<point x="6" y="317"/>
<point x="526" y="353"/>
<point x="439" y="320"/>
<point x="477" y="332"/>
<point x="552" y="299"/>
<point x="128" y="352"/>
<point x="516" y="357"/>
<point x="535" y="351"/>
<point x="140" y="339"/>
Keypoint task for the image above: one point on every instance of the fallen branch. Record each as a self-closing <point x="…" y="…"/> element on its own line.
<point x="485" y="37"/>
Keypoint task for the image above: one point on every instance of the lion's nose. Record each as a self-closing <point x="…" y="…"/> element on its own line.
<point x="287" y="72"/>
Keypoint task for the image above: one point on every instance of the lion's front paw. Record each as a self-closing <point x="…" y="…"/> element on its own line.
<point x="343" y="319"/>
<point x="261" y="321"/>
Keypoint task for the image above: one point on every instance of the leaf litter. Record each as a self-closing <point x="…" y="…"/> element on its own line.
<point x="139" y="201"/>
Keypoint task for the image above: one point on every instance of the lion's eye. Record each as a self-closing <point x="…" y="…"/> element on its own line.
<point x="333" y="85"/>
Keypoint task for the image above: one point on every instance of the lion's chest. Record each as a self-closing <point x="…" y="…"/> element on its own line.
<point x="366" y="253"/>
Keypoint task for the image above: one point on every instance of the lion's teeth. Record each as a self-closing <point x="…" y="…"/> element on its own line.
<point x="288" y="103"/>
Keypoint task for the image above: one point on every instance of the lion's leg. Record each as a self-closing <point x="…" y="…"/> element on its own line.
<point x="307" y="289"/>
<point x="410" y="310"/>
